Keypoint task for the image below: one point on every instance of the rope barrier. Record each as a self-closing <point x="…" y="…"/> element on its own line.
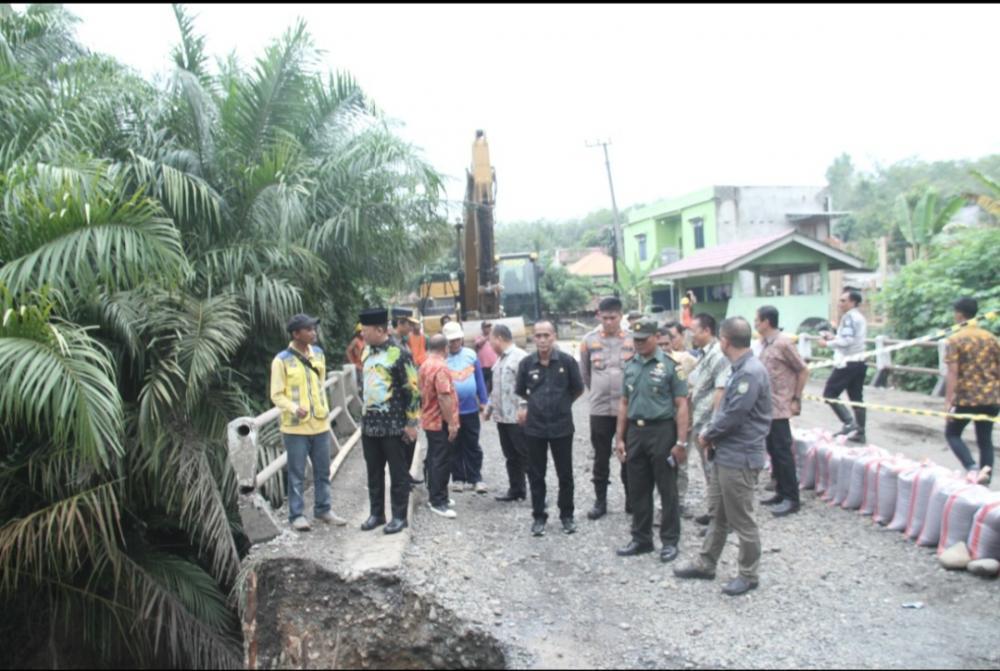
<point x="904" y="411"/>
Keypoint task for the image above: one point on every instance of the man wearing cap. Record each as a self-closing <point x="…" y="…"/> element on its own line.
<point x="413" y="342"/>
<point x="467" y="373"/>
<point x="549" y="382"/>
<point x="389" y="420"/>
<point x="652" y="440"/>
<point x="487" y="355"/>
<point x="604" y="352"/>
<point x="297" y="375"/>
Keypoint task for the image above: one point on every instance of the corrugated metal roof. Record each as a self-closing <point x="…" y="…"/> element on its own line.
<point x="719" y="256"/>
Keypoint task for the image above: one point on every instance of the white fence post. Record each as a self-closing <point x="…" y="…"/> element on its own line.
<point x="805" y="346"/>
<point x="883" y="363"/>
<point x="942" y="350"/>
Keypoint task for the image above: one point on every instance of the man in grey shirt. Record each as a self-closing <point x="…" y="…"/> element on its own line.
<point x="707" y="383"/>
<point x="849" y="375"/>
<point x="737" y="435"/>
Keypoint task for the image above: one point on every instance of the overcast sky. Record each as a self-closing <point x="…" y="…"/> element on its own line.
<point x="689" y="95"/>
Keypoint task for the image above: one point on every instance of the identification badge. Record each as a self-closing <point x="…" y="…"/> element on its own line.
<point x="743" y="387"/>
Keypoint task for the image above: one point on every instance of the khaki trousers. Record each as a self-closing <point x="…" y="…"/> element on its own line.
<point x="730" y="496"/>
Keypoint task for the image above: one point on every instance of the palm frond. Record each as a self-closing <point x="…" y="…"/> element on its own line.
<point x="63" y="385"/>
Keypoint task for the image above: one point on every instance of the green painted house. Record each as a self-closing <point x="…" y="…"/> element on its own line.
<point x="788" y="270"/>
<point x="674" y="229"/>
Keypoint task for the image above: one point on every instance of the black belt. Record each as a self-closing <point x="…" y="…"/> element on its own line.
<point x="650" y="422"/>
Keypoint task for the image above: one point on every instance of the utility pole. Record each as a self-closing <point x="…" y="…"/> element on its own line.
<point x="616" y="243"/>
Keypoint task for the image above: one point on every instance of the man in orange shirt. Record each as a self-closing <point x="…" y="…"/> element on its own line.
<point x="354" y="350"/>
<point x="439" y="419"/>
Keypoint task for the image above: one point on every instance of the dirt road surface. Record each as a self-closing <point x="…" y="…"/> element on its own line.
<point x="832" y="593"/>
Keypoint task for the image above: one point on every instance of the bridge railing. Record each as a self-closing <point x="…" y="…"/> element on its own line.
<point x="242" y="440"/>
<point x="883" y="359"/>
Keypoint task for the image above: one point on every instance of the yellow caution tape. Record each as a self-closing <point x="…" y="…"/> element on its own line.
<point x="904" y="411"/>
<point x="940" y="333"/>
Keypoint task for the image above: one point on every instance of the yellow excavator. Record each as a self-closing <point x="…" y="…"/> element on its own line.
<point x="500" y="288"/>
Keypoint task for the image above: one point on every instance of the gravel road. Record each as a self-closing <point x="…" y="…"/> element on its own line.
<point x="832" y="587"/>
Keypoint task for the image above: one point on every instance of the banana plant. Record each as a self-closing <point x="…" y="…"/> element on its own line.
<point x="989" y="201"/>
<point x="920" y="224"/>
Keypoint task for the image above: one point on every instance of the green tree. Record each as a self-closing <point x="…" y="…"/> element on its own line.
<point x="145" y="234"/>
<point x="918" y="299"/>
<point x="920" y="224"/>
<point x="635" y="285"/>
<point x="562" y="292"/>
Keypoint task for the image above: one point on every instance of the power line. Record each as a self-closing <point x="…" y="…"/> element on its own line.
<point x="616" y="243"/>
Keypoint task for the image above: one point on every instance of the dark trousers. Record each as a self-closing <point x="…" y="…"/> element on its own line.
<point x="467" y="464"/>
<point x="562" y="457"/>
<point x="602" y="436"/>
<point x="440" y="454"/>
<point x="851" y="378"/>
<point x="379" y="451"/>
<point x="779" y="447"/>
<point x="984" y="435"/>
<point x="488" y="379"/>
<point x="646" y="452"/>
<point x="515" y="452"/>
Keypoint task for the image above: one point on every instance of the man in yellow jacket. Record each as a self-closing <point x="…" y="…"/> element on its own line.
<point x="297" y="375"/>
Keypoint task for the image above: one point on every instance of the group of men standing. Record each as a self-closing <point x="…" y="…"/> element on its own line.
<point x="652" y="403"/>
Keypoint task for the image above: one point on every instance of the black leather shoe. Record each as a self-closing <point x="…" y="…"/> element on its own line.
<point x="538" y="528"/>
<point x="395" y="525"/>
<point x="634" y="548"/>
<point x="785" y="508"/>
<point x="693" y="571"/>
<point x="372" y="522"/>
<point x="773" y="501"/>
<point x="568" y="525"/>
<point x="509" y="497"/>
<point x="858" y="438"/>
<point x="668" y="553"/>
<point x="738" y="585"/>
<point x="703" y="520"/>
<point x="599" y="510"/>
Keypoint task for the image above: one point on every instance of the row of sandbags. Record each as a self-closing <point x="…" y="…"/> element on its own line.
<point x="930" y="504"/>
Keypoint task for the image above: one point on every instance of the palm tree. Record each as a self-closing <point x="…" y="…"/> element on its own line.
<point x="634" y="284"/>
<point x="144" y="235"/>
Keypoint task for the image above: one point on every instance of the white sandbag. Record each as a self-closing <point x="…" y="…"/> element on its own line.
<point x="959" y="513"/>
<point x="823" y="454"/>
<point x="904" y="492"/>
<point x="984" y="538"/>
<point x="847" y="460"/>
<point x="858" y="479"/>
<point x="807" y="466"/>
<point x="886" y="488"/>
<point x="833" y="460"/>
<point x="923" y="485"/>
<point x="944" y="489"/>
<point x="801" y="447"/>
<point x="869" y="498"/>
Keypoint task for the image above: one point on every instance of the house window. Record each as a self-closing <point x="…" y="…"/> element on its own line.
<point x="699" y="232"/>
<point x="641" y="239"/>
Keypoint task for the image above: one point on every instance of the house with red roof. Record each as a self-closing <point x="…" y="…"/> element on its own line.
<point x="737" y="248"/>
